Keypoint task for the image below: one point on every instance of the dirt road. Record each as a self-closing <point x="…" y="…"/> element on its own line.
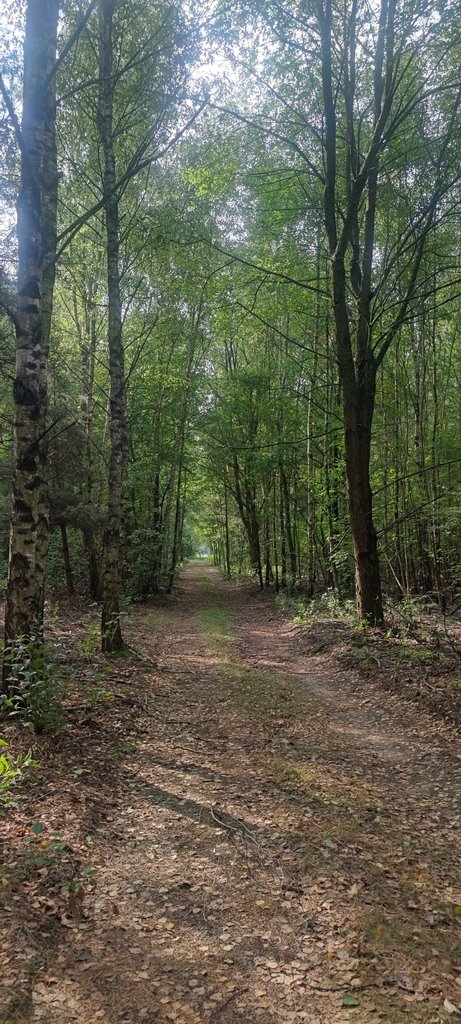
<point x="280" y="842"/>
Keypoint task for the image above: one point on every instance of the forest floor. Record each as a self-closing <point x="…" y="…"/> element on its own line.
<point x="234" y="825"/>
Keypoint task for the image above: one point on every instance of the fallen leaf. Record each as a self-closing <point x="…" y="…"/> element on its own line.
<point x="450" y="1007"/>
<point x="349" y="1000"/>
<point x="404" y="981"/>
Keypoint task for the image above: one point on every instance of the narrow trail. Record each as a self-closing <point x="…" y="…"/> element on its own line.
<point x="281" y="841"/>
<point x="380" y="725"/>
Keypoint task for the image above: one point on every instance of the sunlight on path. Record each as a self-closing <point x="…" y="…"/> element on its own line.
<point x="266" y="859"/>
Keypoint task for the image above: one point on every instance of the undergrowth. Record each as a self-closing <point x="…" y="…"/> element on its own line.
<point x="326" y="605"/>
<point x="12" y="770"/>
<point x="36" y="686"/>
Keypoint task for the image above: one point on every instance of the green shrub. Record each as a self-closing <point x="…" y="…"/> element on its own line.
<point x="327" y="605"/>
<point x="36" y="687"/>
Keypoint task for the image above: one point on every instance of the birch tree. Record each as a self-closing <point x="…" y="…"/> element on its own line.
<point x="37" y="214"/>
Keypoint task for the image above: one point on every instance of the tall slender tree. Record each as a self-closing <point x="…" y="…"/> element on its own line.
<point x="111" y="631"/>
<point x="37" y="215"/>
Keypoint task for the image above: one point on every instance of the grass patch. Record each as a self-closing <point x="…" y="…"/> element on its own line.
<point x="217" y="623"/>
<point x="259" y="693"/>
<point x="392" y="935"/>
<point x="418" y="655"/>
<point x="262" y="693"/>
<point x="298" y="781"/>
<point x="155" y="617"/>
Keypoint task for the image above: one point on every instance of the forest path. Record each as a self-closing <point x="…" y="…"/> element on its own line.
<point x="281" y="841"/>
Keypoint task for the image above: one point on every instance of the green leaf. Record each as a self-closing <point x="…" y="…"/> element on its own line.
<point x="37" y="828"/>
<point x="349" y="1000"/>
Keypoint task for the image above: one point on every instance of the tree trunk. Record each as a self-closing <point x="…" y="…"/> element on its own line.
<point x="178" y="449"/>
<point x="226" y="532"/>
<point x="283" y="548"/>
<point x="176" y="530"/>
<point x="357" y="369"/>
<point x="285" y="494"/>
<point x="310" y="583"/>
<point x="310" y="587"/>
<point x="37" y="206"/>
<point x="252" y="528"/>
<point x="274" y="534"/>
<point x="246" y="507"/>
<point x="91" y="543"/>
<point x="358" y="419"/>
<point x="110" y="625"/>
<point x="157" y="530"/>
<point x="268" y="576"/>
<point x="67" y="562"/>
<point x="88" y="337"/>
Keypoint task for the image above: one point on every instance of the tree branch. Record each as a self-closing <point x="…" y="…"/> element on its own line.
<point x="70" y="42"/>
<point x="12" y="116"/>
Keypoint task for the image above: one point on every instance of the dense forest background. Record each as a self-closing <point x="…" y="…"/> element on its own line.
<point x="230" y="320"/>
<point x="246" y="221"/>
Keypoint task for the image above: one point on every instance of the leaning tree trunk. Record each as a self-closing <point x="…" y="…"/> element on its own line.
<point x="110" y="624"/>
<point x="37" y="205"/>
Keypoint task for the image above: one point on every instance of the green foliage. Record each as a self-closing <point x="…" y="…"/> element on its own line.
<point x="327" y="606"/>
<point x="55" y="565"/>
<point x="91" y="645"/>
<point x="142" y="561"/>
<point x="36" y="687"/>
<point x="235" y="406"/>
<point x="41" y="849"/>
<point x="12" y="769"/>
<point x="50" y="850"/>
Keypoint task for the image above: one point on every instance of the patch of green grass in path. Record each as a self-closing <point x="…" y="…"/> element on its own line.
<point x="258" y="692"/>
<point x="217" y="622"/>
<point x="261" y="693"/>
